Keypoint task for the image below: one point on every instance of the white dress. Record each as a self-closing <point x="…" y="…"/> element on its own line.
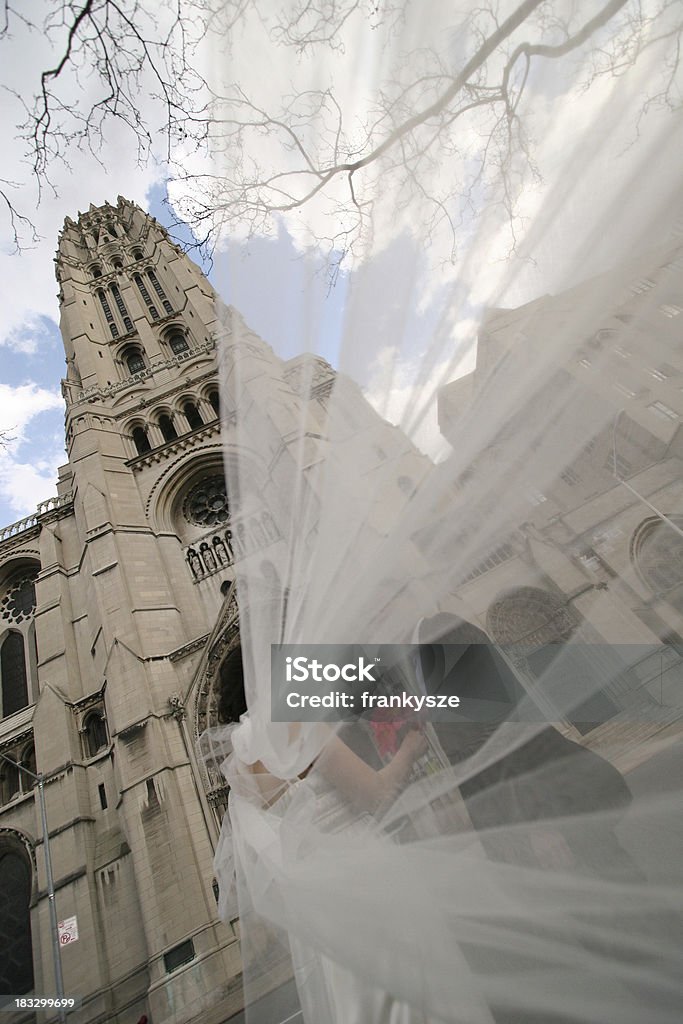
<point x="435" y="930"/>
<point x="303" y="816"/>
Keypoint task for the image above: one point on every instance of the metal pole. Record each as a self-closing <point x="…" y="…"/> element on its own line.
<point x="54" y="928"/>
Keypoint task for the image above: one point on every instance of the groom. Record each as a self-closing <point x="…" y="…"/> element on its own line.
<point x="546" y="776"/>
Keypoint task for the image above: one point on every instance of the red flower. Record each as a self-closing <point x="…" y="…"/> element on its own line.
<point x="387" y="728"/>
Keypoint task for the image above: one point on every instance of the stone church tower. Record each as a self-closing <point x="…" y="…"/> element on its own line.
<point x="117" y="610"/>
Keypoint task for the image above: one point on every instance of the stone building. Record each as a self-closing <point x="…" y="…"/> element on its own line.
<point x="117" y="610"/>
<point x="601" y="553"/>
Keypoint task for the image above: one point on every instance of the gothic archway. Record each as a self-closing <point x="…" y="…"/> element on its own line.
<point x="204" y="703"/>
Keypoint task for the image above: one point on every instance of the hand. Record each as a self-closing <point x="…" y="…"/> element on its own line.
<point x="414" y="744"/>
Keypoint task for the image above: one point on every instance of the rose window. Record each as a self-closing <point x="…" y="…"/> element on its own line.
<point x="207" y="502"/>
<point x="530" y="617"/>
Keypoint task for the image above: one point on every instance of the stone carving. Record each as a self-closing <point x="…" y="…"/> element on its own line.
<point x="225" y="547"/>
<point x="207" y="502"/>
<point x="177" y="707"/>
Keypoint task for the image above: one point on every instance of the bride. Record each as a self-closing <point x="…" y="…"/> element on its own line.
<point x="338" y="791"/>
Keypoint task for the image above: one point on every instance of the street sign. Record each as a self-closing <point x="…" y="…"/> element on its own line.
<point x="68" y="930"/>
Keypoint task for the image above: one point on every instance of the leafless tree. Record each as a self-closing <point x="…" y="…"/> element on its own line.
<point x="127" y="50"/>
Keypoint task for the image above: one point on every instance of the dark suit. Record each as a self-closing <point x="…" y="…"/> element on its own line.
<point x="548" y="776"/>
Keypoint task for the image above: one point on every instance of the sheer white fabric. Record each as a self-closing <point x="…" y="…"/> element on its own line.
<point x="509" y="874"/>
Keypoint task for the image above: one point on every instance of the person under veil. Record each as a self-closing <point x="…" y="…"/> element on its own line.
<point x="347" y="792"/>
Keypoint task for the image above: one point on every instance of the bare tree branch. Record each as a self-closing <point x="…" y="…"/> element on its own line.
<point x="134" y="63"/>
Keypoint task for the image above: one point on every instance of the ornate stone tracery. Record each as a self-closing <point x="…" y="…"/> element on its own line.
<point x="206" y="504"/>
<point x="19" y="601"/>
<point x="530" y="618"/>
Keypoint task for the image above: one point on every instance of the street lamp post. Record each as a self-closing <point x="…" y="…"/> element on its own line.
<point x="54" y="929"/>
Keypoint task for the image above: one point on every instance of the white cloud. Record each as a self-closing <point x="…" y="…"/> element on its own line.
<point x="24" y="484"/>
<point x="29" y="337"/>
<point x="18" y="406"/>
<point x="30" y="288"/>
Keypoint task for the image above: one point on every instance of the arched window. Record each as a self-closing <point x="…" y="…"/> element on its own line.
<point x="533" y="625"/>
<point x="141" y="441"/>
<point x="13" y="671"/>
<point x="96" y="271"/>
<point x="135" y="361"/>
<point x="117" y="264"/>
<point x="657" y="551"/>
<point x="16" y="963"/>
<point x="178" y="343"/>
<point x="9" y="780"/>
<point x="215" y="402"/>
<point x="231" y="699"/>
<point x="95" y="736"/>
<point x="108" y="314"/>
<point x="19" y="602"/>
<point x="18" y="657"/>
<point x="167" y="428"/>
<point x="142" y="287"/>
<point x="192" y="415"/>
<point x="118" y="299"/>
<point x="137" y="254"/>
<point x="160" y="291"/>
